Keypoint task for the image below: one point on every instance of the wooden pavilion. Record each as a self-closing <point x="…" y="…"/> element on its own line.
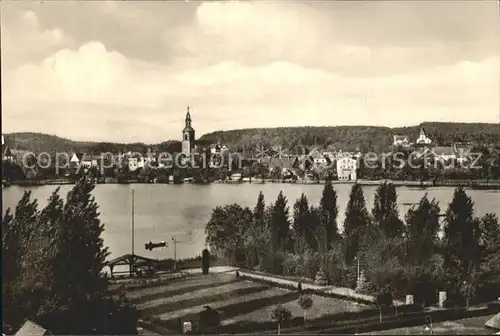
<point x="138" y="265"/>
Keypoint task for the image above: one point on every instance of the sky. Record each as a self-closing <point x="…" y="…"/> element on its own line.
<point x="126" y="71"/>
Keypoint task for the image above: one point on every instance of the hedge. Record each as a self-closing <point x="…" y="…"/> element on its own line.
<point x="308" y="291"/>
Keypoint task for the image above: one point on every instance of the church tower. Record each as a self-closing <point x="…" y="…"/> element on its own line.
<point x="188" y="139"/>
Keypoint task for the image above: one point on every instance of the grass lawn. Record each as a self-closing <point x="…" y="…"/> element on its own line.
<point x="235" y="299"/>
<point x="468" y="326"/>
<point x="321" y="306"/>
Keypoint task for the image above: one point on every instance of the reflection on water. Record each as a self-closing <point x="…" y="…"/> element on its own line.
<point x="163" y="211"/>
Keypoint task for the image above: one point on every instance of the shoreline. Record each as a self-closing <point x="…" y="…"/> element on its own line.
<point x="475" y="184"/>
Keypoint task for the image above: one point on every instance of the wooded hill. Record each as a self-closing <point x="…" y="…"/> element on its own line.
<point x="347" y="138"/>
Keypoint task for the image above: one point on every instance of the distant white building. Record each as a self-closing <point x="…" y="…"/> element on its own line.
<point x="318" y="158"/>
<point x="401" y="141"/>
<point x="133" y="163"/>
<point x="423" y="138"/>
<point x="346" y="169"/>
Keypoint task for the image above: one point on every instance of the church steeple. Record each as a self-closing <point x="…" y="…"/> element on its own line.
<point x="188" y="135"/>
<point x="188" y="118"/>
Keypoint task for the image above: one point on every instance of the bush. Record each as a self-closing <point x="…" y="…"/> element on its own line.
<point x="292" y="265"/>
<point x="366" y="286"/>
<point x="272" y="263"/>
<point x="384" y="299"/>
<point x="321" y="279"/>
<point x="311" y="264"/>
<point x="209" y="318"/>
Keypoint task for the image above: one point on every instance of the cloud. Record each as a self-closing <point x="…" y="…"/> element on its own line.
<point x="24" y="39"/>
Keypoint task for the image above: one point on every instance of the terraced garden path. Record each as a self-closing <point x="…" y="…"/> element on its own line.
<point x="235" y="299"/>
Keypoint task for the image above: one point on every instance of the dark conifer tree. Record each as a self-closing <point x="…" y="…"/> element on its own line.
<point x="385" y="210"/>
<point x="490" y="249"/>
<point x="329" y="211"/>
<point x="356" y="222"/>
<point x="423" y="227"/>
<point x="280" y="224"/>
<point x="461" y="240"/>
<point x="301" y="225"/>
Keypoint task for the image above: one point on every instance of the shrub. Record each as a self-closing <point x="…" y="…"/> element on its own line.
<point x="272" y="263"/>
<point x="292" y="265"/>
<point x="384" y="299"/>
<point x="209" y="318"/>
<point x="321" y="279"/>
<point x="311" y="264"/>
<point x="365" y="286"/>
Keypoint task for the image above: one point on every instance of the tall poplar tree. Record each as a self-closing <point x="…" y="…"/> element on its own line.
<point x="423" y="228"/>
<point x="304" y="230"/>
<point x="356" y="222"/>
<point x="81" y="254"/>
<point x="17" y="232"/>
<point x="385" y="210"/>
<point x="329" y="212"/>
<point x="461" y="240"/>
<point x="280" y="224"/>
<point x="490" y="249"/>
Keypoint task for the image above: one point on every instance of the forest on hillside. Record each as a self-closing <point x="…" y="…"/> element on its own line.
<point x="349" y="138"/>
<point x="346" y="138"/>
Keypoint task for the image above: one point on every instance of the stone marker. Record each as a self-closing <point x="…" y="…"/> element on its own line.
<point x="409" y="299"/>
<point x="187" y="327"/>
<point x="442" y="299"/>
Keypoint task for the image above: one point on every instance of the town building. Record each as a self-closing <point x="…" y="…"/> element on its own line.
<point x="444" y="154"/>
<point x="400" y="141"/>
<point x="346" y="169"/>
<point x="6" y="152"/>
<point x="423" y="138"/>
<point x="318" y="159"/>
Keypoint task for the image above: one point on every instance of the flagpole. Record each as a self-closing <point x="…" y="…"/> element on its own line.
<point x="133" y="224"/>
<point x="132" y="262"/>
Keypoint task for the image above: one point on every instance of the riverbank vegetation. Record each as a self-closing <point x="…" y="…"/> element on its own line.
<point x="52" y="263"/>
<point x="400" y="256"/>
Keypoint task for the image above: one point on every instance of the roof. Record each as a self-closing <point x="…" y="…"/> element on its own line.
<point x="423" y="132"/>
<point x="443" y="150"/>
<point x="30" y="328"/>
<point x="90" y="157"/>
<point x="281" y="162"/>
<point x="400" y="138"/>
<point x="127" y="258"/>
<point x="6" y="150"/>
<point x="494" y="322"/>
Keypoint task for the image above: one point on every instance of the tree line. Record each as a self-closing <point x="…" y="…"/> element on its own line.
<point x="52" y="261"/>
<point x="400" y="256"/>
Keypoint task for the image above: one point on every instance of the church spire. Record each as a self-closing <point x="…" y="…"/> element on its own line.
<point x="188" y="118"/>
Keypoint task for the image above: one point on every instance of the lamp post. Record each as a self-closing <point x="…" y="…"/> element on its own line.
<point x="467" y="290"/>
<point x="132" y="262"/>
<point x="174" y="240"/>
<point x="358" y="269"/>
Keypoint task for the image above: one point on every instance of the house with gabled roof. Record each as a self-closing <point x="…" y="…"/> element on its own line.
<point x="400" y="141"/>
<point x="6" y="153"/>
<point x="444" y="154"/>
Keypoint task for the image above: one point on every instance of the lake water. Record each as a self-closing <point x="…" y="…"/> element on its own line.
<point x="162" y="211"/>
